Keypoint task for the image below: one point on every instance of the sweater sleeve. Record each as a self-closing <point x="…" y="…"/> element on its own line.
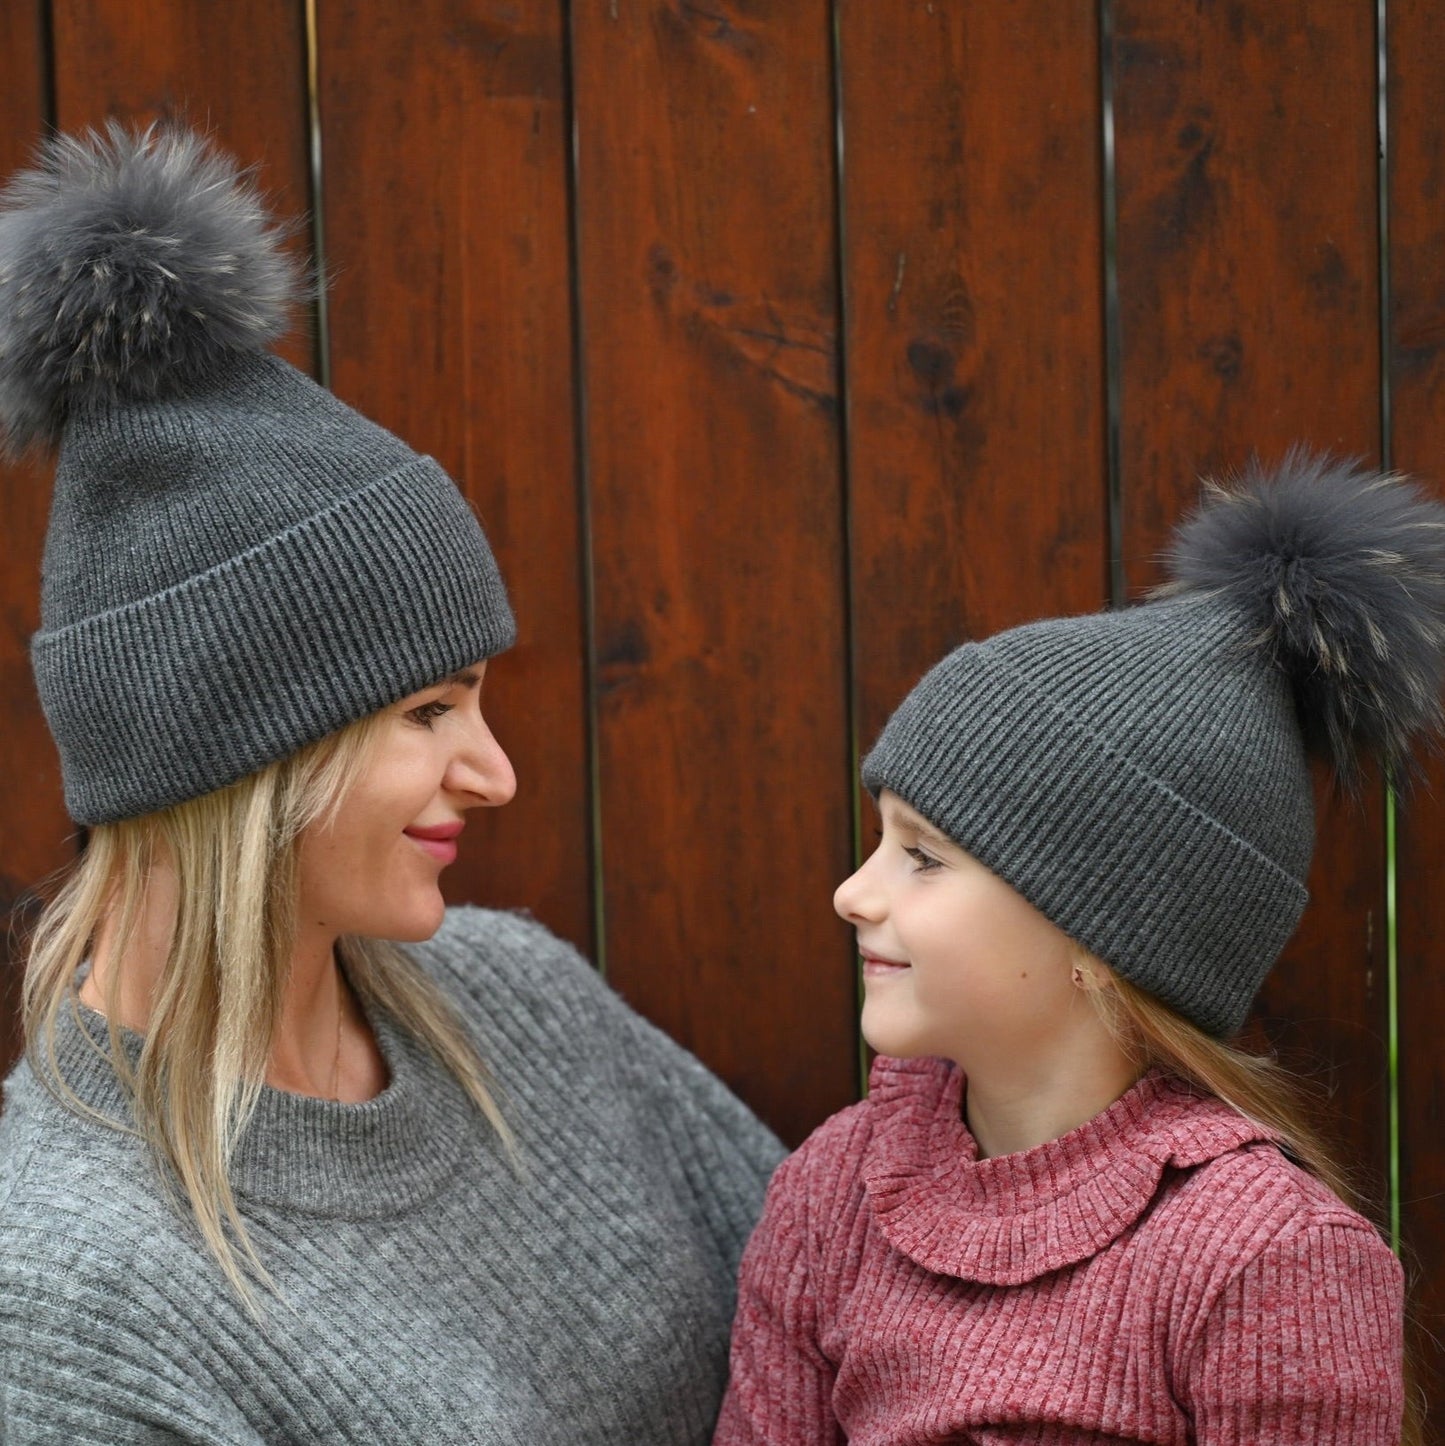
<point x="1302" y="1347"/>
<point x="704" y="1136"/>
<point x="78" y="1373"/>
<point x="781" y="1382"/>
<point x="724" y="1151"/>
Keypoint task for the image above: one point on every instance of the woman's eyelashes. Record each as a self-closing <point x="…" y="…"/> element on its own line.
<point x="428" y="713"/>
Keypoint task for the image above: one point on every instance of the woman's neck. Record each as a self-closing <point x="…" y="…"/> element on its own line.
<point x="322" y="1044"/>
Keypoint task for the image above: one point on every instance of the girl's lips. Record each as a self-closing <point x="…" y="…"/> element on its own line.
<point x="876" y="968"/>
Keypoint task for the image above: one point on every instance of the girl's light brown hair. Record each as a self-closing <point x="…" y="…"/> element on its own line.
<point x="213" y="1017"/>
<point x="1257" y="1086"/>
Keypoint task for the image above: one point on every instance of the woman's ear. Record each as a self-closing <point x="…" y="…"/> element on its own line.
<point x="1089" y="975"/>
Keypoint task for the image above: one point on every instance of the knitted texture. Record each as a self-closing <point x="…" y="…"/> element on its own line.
<point x="234" y="574"/>
<point x="237" y="562"/>
<point x="1160" y="1275"/>
<point x="431" y="1293"/>
<point x="1138" y="776"/>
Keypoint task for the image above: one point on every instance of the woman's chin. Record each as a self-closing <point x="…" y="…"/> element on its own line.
<point x="413" y="924"/>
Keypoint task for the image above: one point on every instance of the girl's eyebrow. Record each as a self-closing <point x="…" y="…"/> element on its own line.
<point x="467" y="678"/>
<point x="930" y="835"/>
<point x="904" y="817"/>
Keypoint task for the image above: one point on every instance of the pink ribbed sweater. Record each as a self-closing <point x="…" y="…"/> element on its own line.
<point x="1161" y="1274"/>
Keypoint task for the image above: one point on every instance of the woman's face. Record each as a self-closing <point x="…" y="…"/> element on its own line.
<point x="374" y="868"/>
<point x="955" y="962"/>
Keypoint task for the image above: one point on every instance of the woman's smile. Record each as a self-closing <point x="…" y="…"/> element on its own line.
<point x="439" y="839"/>
<point x="430" y="760"/>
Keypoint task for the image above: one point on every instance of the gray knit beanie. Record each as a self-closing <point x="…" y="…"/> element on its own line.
<point x="237" y="562"/>
<point x="1141" y="776"/>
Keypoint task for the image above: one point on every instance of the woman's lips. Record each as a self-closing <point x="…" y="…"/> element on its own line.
<point x="875" y="967"/>
<point x="439" y="839"/>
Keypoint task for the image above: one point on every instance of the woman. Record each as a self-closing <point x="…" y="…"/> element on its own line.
<point x="265" y="1174"/>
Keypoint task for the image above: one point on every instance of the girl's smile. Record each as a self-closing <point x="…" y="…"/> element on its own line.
<point x="956" y="963"/>
<point x="876" y="968"/>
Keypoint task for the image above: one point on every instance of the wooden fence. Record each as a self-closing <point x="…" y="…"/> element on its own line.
<point x="783" y="345"/>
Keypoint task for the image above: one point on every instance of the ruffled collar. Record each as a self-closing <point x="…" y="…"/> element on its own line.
<point x="1011" y="1219"/>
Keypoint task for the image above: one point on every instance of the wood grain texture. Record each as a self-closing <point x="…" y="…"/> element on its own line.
<point x="445" y="130"/>
<point x="35" y="835"/>
<point x="975" y="331"/>
<point x="706" y="216"/>
<point x="239" y="70"/>
<point x="236" y="71"/>
<point x="1248" y="284"/>
<point x="1415" y="36"/>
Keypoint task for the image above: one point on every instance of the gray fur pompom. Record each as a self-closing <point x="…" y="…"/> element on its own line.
<point x="1341" y="572"/>
<point x="128" y="259"/>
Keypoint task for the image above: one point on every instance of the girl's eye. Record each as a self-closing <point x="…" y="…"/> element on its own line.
<point x="923" y="863"/>
<point x="428" y="713"/>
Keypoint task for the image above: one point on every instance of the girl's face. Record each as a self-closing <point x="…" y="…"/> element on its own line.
<point x="956" y="964"/>
<point x="374" y="867"/>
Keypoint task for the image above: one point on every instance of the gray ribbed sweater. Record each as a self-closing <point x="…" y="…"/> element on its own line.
<point x="430" y="1295"/>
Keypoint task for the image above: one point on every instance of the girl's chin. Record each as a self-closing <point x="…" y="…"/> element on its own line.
<point x="894" y="1031"/>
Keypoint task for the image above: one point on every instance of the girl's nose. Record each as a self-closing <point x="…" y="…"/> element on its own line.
<point x="483" y="770"/>
<point x="855" y="900"/>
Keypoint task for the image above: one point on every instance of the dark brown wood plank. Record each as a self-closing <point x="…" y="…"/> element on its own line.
<point x="1248" y="284"/>
<point x="34" y="831"/>
<point x="236" y="70"/>
<point x="706" y="206"/>
<point x="975" y="329"/>
<point x="1415" y="36"/>
<point x="445" y="135"/>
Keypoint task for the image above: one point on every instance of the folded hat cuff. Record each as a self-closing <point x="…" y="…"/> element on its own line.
<point x="1163" y="892"/>
<point x="389" y="589"/>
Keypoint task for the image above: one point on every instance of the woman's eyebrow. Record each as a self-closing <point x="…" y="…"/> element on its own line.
<point x="467" y="678"/>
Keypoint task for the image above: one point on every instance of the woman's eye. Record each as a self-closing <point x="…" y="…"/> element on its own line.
<point x="924" y="863"/>
<point x="428" y="713"/>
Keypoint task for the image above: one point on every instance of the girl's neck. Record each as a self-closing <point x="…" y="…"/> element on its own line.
<point x="322" y="1044"/>
<point x="1015" y="1107"/>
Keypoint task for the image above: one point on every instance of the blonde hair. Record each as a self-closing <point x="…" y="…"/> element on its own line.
<point x="1256" y="1086"/>
<point x="215" y="1009"/>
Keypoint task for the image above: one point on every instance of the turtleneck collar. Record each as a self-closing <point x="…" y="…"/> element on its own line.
<point x="1011" y="1219"/>
<point x="317" y="1156"/>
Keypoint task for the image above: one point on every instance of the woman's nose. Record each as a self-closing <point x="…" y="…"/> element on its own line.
<point x="483" y="770"/>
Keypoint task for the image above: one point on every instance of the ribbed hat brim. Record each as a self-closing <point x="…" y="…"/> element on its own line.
<point x="391" y="588"/>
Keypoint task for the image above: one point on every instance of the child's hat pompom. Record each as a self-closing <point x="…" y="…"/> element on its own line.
<point x="1340" y="572"/>
<point x="128" y="259"/>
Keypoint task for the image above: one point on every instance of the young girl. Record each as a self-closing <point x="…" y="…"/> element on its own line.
<point x="297" y="1153"/>
<point x="1069" y="1210"/>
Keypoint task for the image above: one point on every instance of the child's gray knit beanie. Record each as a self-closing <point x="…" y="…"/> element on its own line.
<point x="1141" y="776"/>
<point x="237" y="563"/>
